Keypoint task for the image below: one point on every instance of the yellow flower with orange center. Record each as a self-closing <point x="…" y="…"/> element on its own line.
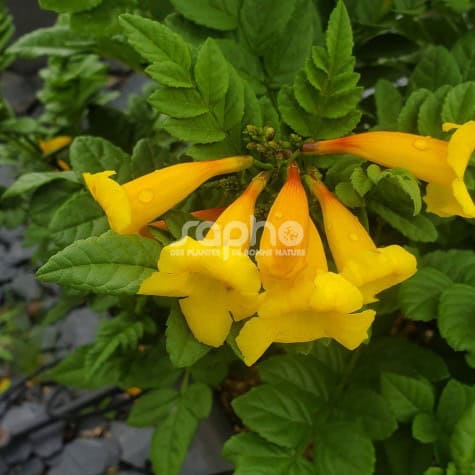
<point x="439" y="163"/>
<point x="302" y="301"/>
<point x="131" y="206"/>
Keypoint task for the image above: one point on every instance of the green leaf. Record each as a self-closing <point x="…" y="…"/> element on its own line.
<point x="457" y="317"/>
<point x="429" y="120"/>
<point x="181" y="103"/>
<point x="171" y="440"/>
<point x="455" y="399"/>
<point x="462" y="443"/>
<point x="370" y="410"/>
<point x="457" y="264"/>
<point x="357" y="458"/>
<point x="407" y="396"/>
<point x="202" y="129"/>
<point x="436" y="68"/>
<point x="94" y="154"/>
<point x="71" y="371"/>
<point x="262" y="20"/>
<point x="213" y="368"/>
<point x="147" y="157"/>
<point x="388" y="104"/>
<point x="71" y="6"/>
<point x="305" y="374"/>
<point x="78" y="218"/>
<point x="252" y="455"/>
<point x="211" y="72"/>
<point x="424" y="428"/>
<point x="220" y="15"/>
<point x="183" y="348"/>
<point x="159" y="45"/>
<point x="339" y="37"/>
<point x="417" y="228"/>
<point x="110" y="263"/>
<point x="459" y="104"/>
<point x="32" y="181"/>
<point x="118" y="334"/>
<point x="435" y="471"/>
<point x="419" y="295"/>
<point x="198" y="399"/>
<point x="55" y="41"/>
<point x="276" y="414"/>
<point x="406" y="456"/>
<point x="407" y="120"/>
<point x="464" y="54"/>
<point x="288" y="52"/>
<point x="152" y="407"/>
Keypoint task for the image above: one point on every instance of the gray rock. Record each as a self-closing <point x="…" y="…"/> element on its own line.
<point x="17" y="452"/>
<point x="19" y="90"/>
<point x="204" y="455"/>
<point x="34" y="466"/>
<point x="135" y="443"/>
<point x="7" y="175"/>
<point x="17" y="254"/>
<point x="26" y="286"/>
<point x="22" y="416"/>
<point x="54" y="460"/>
<point x="48" y="441"/>
<point x="84" y="457"/>
<point x="79" y="328"/>
<point x="7" y="273"/>
<point x="9" y="236"/>
<point x="3" y="468"/>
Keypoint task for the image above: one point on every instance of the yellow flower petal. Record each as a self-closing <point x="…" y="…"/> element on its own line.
<point x="112" y="199"/>
<point x="333" y="293"/>
<point x="374" y="271"/>
<point x="284" y="239"/>
<point x="166" y="285"/>
<point x="54" y="144"/>
<point x="207" y="317"/>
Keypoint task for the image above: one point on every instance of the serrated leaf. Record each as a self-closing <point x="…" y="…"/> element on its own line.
<point x="181" y="103"/>
<point x="358" y="458"/>
<point x="276" y="414"/>
<point x="159" y="45"/>
<point x="198" y="399"/>
<point x="462" y="443"/>
<point x="459" y="104"/>
<point x="202" y="129"/>
<point x="32" y="181"/>
<point x="407" y="396"/>
<point x="370" y="410"/>
<point x="211" y="72"/>
<point x="79" y="217"/>
<point x="55" y="41"/>
<point x="110" y="263"/>
<point x="424" y="428"/>
<point x="457" y="264"/>
<point x="302" y="373"/>
<point x="152" y="407"/>
<point x="339" y="37"/>
<point x="429" y="120"/>
<point x="183" y="348"/>
<point x="94" y="154"/>
<point x="388" y="104"/>
<point x="220" y="15"/>
<point x="250" y="454"/>
<point x="71" y="6"/>
<point x="436" y="68"/>
<point x="417" y="228"/>
<point x="419" y="295"/>
<point x="464" y="54"/>
<point x="457" y="316"/>
<point x="262" y="20"/>
<point x="147" y="157"/>
<point x="360" y="181"/>
<point x="407" y="120"/>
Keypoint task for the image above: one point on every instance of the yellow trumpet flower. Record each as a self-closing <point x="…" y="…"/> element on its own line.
<point x="131" y="206"/>
<point x="53" y="145"/>
<point x="439" y="163"/>
<point x="356" y="256"/>
<point x="313" y="304"/>
<point x="284" y="238"/>
<point x="216" y="281"/>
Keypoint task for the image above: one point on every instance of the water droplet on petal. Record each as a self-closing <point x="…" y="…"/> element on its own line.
<point x="420" y="144"/>
<point x="353" y="237"/>
<point x="278" y="215"/>
<point x="146" y="195"/>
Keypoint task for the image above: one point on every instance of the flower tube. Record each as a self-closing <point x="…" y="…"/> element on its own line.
<point x="356" y="256"/>
<point x="441" y="164"/>
<point x="215" y="279"/>
<point x="131" y="206"/>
